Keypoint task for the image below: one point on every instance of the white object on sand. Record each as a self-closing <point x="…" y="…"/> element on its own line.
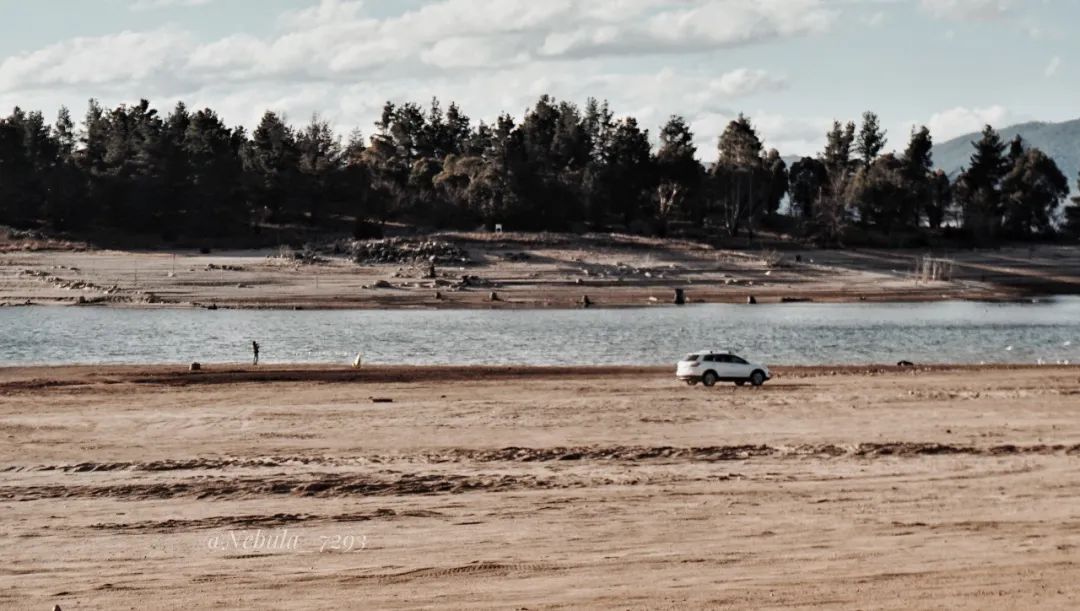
<point x="357" y="361"/>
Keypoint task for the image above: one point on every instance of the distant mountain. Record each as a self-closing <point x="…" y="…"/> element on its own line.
<point x="1059" y="140"/>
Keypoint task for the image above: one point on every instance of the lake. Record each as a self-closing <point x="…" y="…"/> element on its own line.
<point x="790" y="334"/>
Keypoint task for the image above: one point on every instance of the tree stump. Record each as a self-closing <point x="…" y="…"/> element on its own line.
<point x="751" y="300"/>
<point x="195" y="367"/>
<point x="680" y="297"/>
<point x="585" y="301"/>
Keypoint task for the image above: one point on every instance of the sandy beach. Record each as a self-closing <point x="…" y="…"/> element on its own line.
<point x="473" y="488"/>
<point x="523" y="271"/>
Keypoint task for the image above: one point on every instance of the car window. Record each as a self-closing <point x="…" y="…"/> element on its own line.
<point x="710" y="359"/>
<point x="691" y="357"/>
<point x="738" y="361"/>
<point x="723" y="358"/>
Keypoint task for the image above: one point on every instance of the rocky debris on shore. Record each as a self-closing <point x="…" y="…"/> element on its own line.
<point x="398" y="250"/>
<point x="25" y="234"/>
<point x="28" y="240"/>
<point x="308" y="255"/>
<point x="621" y="271"/>
<point x="225" y="268"/>
<point x="464" y="282"/>
<point x="68" y="285"/>
<point x="774" y="259"/>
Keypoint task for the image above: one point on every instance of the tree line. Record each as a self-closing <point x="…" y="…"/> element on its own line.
<point x="560" y="167"/>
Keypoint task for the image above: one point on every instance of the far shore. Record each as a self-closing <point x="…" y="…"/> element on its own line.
<point x="525" y="271"/>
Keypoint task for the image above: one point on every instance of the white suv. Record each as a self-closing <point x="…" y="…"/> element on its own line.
<point x="710" y="367"/>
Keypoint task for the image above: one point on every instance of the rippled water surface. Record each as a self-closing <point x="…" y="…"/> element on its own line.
<point x="949" y="332"/>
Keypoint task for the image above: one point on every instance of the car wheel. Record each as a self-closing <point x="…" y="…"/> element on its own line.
<point x="757" y="378"/>
<point x="709" y="379"/>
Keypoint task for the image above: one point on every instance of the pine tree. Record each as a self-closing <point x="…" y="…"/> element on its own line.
<point x="319" y="162"/>
<point x="871" y="139"/>
<point x="881" y="193"/>
<point x="457" y="129"/>
<point x="833" y="209"/>
<point x="978" y="189"/>
<point x="64" y="134"/>
<point x="837" y="155"/>
<point x="679" y="173"/>
<point x="740" y="182"/>
<point x="66" y="188"/>
<point x="1016" y="149"/>
<point x="1032" y="191"/>
<point x="739" y="145"/>
<point x="918" y="166"/>
<point x="213" y="205"/>
<point x="807" y="178"/>
<point x="940" y="199"/>
<point x="271" y="159"/>
<point x="630" y="164"/>
<point x="18" y="204"/>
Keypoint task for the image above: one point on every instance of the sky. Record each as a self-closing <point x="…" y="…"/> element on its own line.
<point x="792" y="66"/>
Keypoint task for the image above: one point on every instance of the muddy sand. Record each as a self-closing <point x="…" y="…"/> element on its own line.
<point x="524" y="271"/>
<point x="474" y="488"/>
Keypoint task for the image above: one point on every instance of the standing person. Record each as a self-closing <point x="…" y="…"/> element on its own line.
<point x="255" y="351"/>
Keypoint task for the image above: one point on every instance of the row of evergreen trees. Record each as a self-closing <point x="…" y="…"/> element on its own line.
<point x="189" y="174"/>
<point x="1011" y="191"/>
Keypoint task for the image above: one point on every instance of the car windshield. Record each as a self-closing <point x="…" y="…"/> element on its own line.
<point x="691" y="357"/>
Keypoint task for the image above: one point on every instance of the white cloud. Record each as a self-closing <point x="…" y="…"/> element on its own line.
<point x="475" y="52"/>
<point x="958" y="121"/>
<point x="124" y="57"/>
<point x="695" y="27"/>
<point x="967" y="9"/>
<point x="743" y="82"/>
<point x="651" y="58"/>
<point x="502" y="54"/>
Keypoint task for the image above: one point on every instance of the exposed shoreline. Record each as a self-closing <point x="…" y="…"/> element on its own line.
<point x="529" y="272"/>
